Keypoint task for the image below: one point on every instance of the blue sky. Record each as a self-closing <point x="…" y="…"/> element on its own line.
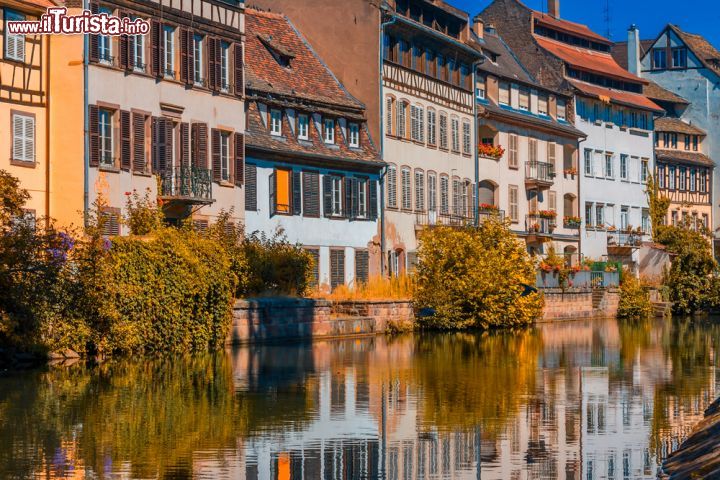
<point x="695" y="16"/>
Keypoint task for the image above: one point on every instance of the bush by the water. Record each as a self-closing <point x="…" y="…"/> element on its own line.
<point x="475" y="278"/>
<point x="634" y="299"/>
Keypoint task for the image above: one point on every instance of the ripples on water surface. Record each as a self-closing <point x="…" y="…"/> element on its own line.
<point x="579" y="400"/>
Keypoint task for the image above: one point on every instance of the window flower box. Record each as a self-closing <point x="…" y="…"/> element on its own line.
<point x="486" y="207"/>
<point x="570" y="172"/>
<point x="491" y="151"/>
<point x="572" y="221"/>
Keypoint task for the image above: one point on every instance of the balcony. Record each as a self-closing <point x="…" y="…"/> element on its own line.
<point x="183" y="187"/>
<point x="436" y="219"/>
<point x="623" y="244"/>
<point x="539" y="228"/>
<point x="539" y="175"/>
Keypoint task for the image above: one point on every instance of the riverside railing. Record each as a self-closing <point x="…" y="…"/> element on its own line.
<point x="582" y="279"/>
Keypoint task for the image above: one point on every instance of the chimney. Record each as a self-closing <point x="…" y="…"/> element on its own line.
<point x="633" y="53"/>
<point x="478" y="26"/>
<point x="554" y="8"/>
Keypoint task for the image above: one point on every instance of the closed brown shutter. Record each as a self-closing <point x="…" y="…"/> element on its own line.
<point x="138" y="145"/>
<point x="185" y="144"/>
<point x="218" y="64"/>
<point x="212" y="61"/>
<point x="362" y="266"/>
<point x="94" y="127"/>
<point x="239" y="158"/>
<point x="94" y="41"/>
<point x="169" y="160"/>
<point x="125" y="136"/>
<point x="250" y="187"/>
<point x="216" y="166"/>
<point x="199" y="145"/>
<point x="272" y="184"/>
<point x="191" y="58"/>
<point x="373" y="210"/>
<point x="337" y="268"/>
<point x="296" y="193"/>
<point x="238" y="62"/>
<point x="327" y="195"/>
<point x="186" y="48"/>
<point x="315" y="254"/>
<point x="123" y="46"/>
<point x="131" y="53"/>
<point x="162" y="149"/>
<point x="311" y="194"/>
<point x="347" y="190"/>
<point x="355" y="195"/>
<point x="157" y="49"/>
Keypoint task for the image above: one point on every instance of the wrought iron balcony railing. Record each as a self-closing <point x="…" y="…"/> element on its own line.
<point x="618" y="239"/>
<point x="187" y="183"/>
<point x="540" y="172"/>
<point x="536" y="224"/>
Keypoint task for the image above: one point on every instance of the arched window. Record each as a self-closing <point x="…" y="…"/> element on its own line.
<point x="431" y="127"/>
<point x="443" y="130"/>
<point x="389" y="115"/>
<point x="419" y="190"/>
<point x="402" y="113"/>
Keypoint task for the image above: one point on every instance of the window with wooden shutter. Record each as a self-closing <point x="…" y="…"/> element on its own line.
<point x="513" y="202"/>
<point x="94" y="39"/>
<point x="362" y="266"/>
<point x="392" y="186"/>
<point x="532" y="150"/>
<point x="389" y="109"/>
<point x="94" y="126"/>
<point x="110" y="218"/>
<point x="315" y="255"/>
<point x="14" y="43"/>
<point x="239" y="160"/>
<point x="125" y="140"/>
<point x="124" y="54"/>
<point x="212" y="62"/>
<point x="199" y="145"/>
<point x="551" y="153"/>
<point x="283" y="191"/>
<point x="238" y="64"/>
<point x="406" y="191"/>
<point x="250" y="187"/>
<point x="327" y="195"/>
<point x="337" y="267"/>
<point x="347" y="208"/>
<point x="419" y="191"/>
<point x="162" y="138"/>
<point x="185" y="52"/>
<point x="157" y="49"/>
<point x="444" y="195"/>
<point x="513" y="151"/>
<point x="373" y="199"/>
<point x="23" y="136"/>
<point x="184" y="144"/>
<point x="311" y="194"/>
<point x="443" y="130"/>
<point x="296" y="193"/>
<point x="552" y="200"/>
<point x="200" y="224"/>
<point x="216" y="160"/>
<point x="139" y="162"/>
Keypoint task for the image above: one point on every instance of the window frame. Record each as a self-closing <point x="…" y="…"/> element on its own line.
<point x="169" y="51"/>
<point x="303" y="126"/>
<point x="26" y="140"/>
<point x="224" y="66"/>
<point x="198" y="59"/>
<point x="225" y="157"/>
<point x="329" y="131"/>
<point x="354" y="135"/>
<point x="276" y="122"/>
<point x="105" y="42"/>
<point x="659" y="54"/>
<point x="18" y="17"/>
<point x="106" y="137"/>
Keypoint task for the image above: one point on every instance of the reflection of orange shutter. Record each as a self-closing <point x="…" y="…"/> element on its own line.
<point x="283" y="466"/>
<point x="283" y="191"/>
<point x="604" y="98"/>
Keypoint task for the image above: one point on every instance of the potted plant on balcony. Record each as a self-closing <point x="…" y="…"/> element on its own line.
<point x="612" y="228"/>
<point x="570" y="172"/>
<point x="490" y="151"/>
<point x="572" y="221"/>
<point x="488" y="208"/>
<point x="548" y="214"/>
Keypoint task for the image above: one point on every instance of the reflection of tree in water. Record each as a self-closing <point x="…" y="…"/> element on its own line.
<point x="475" y="379"/>
<point x="151" y="414"/>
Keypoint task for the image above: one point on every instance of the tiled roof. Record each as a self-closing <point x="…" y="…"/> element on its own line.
<point x="530" y="120"/>
<point x="616" y="96"/>
<point x="586" y="59"/>
<point x="269" y="34"/>
<point x="656" y="92"/>
<point x="507" y="65"/>
<point x="686" y="157"/>
<point x="619" y="51"/>
<point x="568" y="27"/>
<point x="703" y="49"/>
<point x="670" y="124"/>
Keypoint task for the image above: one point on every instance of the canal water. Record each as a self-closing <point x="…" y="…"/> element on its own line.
<point x="576" y="400"/>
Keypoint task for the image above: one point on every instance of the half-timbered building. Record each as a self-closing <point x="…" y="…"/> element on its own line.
<point x="23" y="105"/>
<point x="312" y="170"/>
<point x="164" y="112"/>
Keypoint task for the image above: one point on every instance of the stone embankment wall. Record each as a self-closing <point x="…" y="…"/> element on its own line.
<point x="286" y="319"/>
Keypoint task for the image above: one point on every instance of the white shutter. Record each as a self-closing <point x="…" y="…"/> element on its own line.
<point x="400" y="131"/>
<point x="388" y="115"/>
<point x="18" y="152"/>
<point x="30" y="139"/>
<point x="421" y="124"/>
<point x="14" y="44"/>
<point x="551" y="153"/>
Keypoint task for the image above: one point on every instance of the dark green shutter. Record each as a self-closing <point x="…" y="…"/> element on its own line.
<point x="273" y="193"/>
<point x="355" y="205"/>
<point x="348" y="206"/>
<point x="373" y="207"/>
<point x="296" y="193"/>
<point x="311" y="194"/>
<point x="250" y="187"/>
<point x="327" y="195"/>
<point x="337" y="268"/>
<point x="362" y="266"/>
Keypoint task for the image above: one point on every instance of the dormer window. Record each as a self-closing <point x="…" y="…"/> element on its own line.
<point x="524" y="102"/>
<point x="275" y="122"/>
<point x="329" y="131"/>
<point x="354" y="135"/>
<point x="659" y="59"/>
<point x="504" y="96"/>
<point x="303" y="126"/>
<point x="679" y="56"/>
<point x="542" y="104"/>
<point x="281" y="55"/>
<point x="561" y="105"/>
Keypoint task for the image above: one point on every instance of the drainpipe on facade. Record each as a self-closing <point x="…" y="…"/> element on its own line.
<point x="583" y="227"/>
<point x="476" y="125"/>
<point x="47" y="132"/>
<point x="383" y="9"/>
<point x="86" y="140"/>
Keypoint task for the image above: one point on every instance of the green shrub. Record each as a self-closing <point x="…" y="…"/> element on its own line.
<point x="474" y="277"/>
<point x="634" y="299"/>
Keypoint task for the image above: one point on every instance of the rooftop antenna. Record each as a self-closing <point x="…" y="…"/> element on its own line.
<point x="608" y="18"/>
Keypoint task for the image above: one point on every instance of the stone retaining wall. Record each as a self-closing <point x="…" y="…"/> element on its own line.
<point x="579" y="303"/>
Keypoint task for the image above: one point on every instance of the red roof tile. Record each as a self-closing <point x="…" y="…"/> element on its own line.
<point x="569" y="27"/>
<point x="269" y="34"/>
<point x="586" y="59"/>
<point x="616" y="96"/>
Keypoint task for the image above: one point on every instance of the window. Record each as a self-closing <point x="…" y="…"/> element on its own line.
<point x="14" y="44"/>
<point x="513" y="150"/>
<point x="275" y="122"/>
<point x="105" y="137"/>
<point x="480" y="88"/>
<point x="457" y="203"/>
<point x="589" y="218"/>
<point x="329" y="131"/>
<point x="466" y="137"/>
<point x="416" y="130"/>
<point x="389" y="108"/>
<point x="542" y="104"/>
<point x="661" y="176"/>
<point x="303" y="126"/>
<point x="600" y="215"/>
<point x="337" y="267"/>
<point x="392" y="186"/>
<point x="659" y="59"/>
<point x="623" y="167"/>
<point x="644" y="170"/>
<point x="645" y="220"/>
<point x="105" y="43"/>
<point x="551" y="153"/>
<point x="224" y="66"/>
<point x="513" y="202"/>
<point x="609" y="166"/>
<point x="362" y="266"/>
<point x="703" y="181"/>
<point x="406" y="193"/>
<point x="444" y="195"/>
<point x="504" y="95"/>
<point x="225" y="156"/>
<point x="624" y="218"/>
<point x="431" y="127"/>
<point x="419" y="191"/>
<point x="169" y="49"/>
<point x="198" y="59"/>
<point x="139" y="53"/>
<point x="588" y="162"/>
<point x="552" y="200"/>
<point x="532" y="150"/>
<point x="679" y="56"/>
<point x="354" y="138"/>
<point x="693" y="180"/>
<point x="683" y="178"/>
<point x="432" y="192"/>
<point x="400" y="130"/>
<point x="443" y="131"/>
<point x="455" y="130"/>
<point x="23" y="132"/>
<point x="671" y="177"/>
<point x="360" y="197"/>
<point x="695" y="143"/>
<point x="335" y="183"/>
<point x="561" y="110"/>
<point x="524" y="102"/>
<point x="430" y="66"/>
<point x="282" y="180"/>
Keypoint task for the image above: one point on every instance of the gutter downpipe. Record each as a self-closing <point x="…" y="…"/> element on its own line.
<point x="86" y="139"/>
<point x="476" y="126"/>
<point x="580" y="207"/>
<point x="48" y="163"/>
<point x="383" y="9"/>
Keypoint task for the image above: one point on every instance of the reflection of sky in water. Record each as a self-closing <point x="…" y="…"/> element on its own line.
<point x="578" y="400"/>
